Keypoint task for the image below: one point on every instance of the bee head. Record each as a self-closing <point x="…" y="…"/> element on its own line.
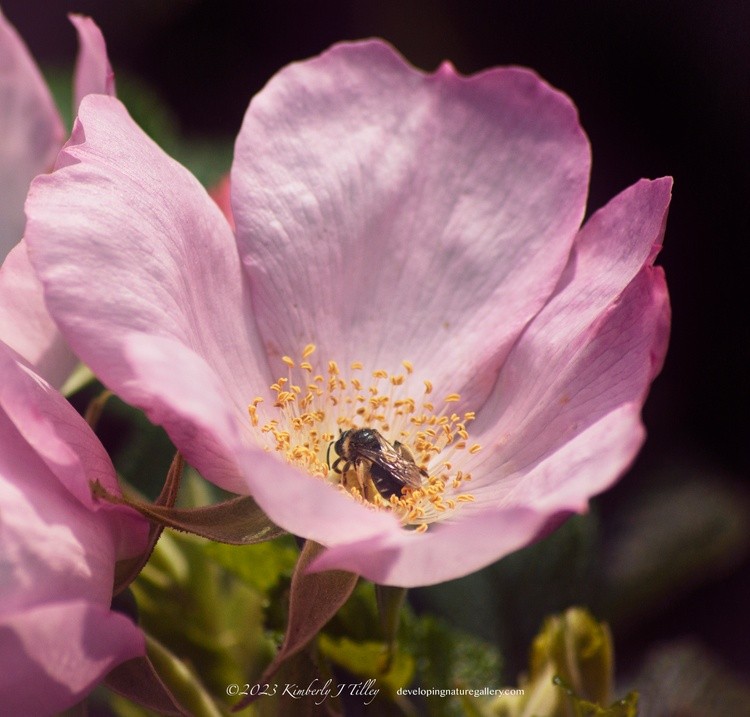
<point x="342" y="441"/>
<point x="338" y="444"/>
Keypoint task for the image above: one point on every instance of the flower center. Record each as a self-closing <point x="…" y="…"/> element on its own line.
<point x="371" y="436"/>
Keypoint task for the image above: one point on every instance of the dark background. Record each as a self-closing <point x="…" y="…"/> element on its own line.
<point x="663" y="88"/>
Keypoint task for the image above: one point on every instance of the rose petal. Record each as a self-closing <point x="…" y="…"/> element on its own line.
<point x="118" y="212"/>
<point x="57" y="634"/>
<point x="25" y="324"/>
<point x="31" y="129"/>
<point x="53" y="548"/>
<point x="406" y="215"/>
<point x="52" y="656"/>
<point x="587" y="464"/>
<point x="60" y="437"/>
<point x="94" y="74"/>
<point x="40" y="420"/>
<point x="605" y="383"/>
<point x="446" y="551"/>
<point x="595" y="347"/>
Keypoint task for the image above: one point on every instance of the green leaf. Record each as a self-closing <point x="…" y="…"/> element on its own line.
<point x="206" y="617"/>
<point x="182" y="681"/>
<point x="369" y="660"/>
<point x="570" y="674"/>
<point x="580" y="649"/>
<point x="259" y="566"/>
<point x="448" y="658"/>
<point x="81" y="377"/>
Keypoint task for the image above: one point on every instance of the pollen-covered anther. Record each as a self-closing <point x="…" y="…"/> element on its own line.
<point x="404" y="462"/>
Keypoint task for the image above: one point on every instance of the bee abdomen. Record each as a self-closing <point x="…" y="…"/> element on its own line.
<point x="387" y="484"/>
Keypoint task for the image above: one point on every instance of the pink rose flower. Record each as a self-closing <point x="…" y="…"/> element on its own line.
<point x="58" y="635"/>
<point x="408" y="258"/>
<point x="33" y="134"/>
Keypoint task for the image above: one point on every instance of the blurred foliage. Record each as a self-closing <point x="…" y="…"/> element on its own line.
<point x="60" y="83"/>
<point x="581" y="651"/>
<point x="79" y="379"/>
<point x="448" y="658"/>
<point x="209" y="159"/>
<point x="141" y="452"/>
<point x="571" y="672"/>
<point x="215" y="615"/>
<point x="369" y="660"/>
<point x="260" y="568"/>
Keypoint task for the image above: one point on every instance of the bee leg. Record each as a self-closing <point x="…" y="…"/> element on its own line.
<point x="363" y="479"/>
<point x="335" y="467"/>
<point x="346" y="475"/>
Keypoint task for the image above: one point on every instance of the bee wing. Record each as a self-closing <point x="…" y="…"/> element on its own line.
<point x="401" y="467"/>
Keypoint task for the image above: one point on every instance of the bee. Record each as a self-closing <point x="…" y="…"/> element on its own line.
<point x="390" y="467"/>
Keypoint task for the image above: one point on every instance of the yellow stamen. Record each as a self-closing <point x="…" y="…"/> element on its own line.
<point x="310" y="410"/>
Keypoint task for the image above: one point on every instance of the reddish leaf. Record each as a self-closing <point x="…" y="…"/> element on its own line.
<point x="127" y="570"/>
<point x="313" y="600"/>
<point x="137" y="680"/>
<point x="238" y="521"/>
